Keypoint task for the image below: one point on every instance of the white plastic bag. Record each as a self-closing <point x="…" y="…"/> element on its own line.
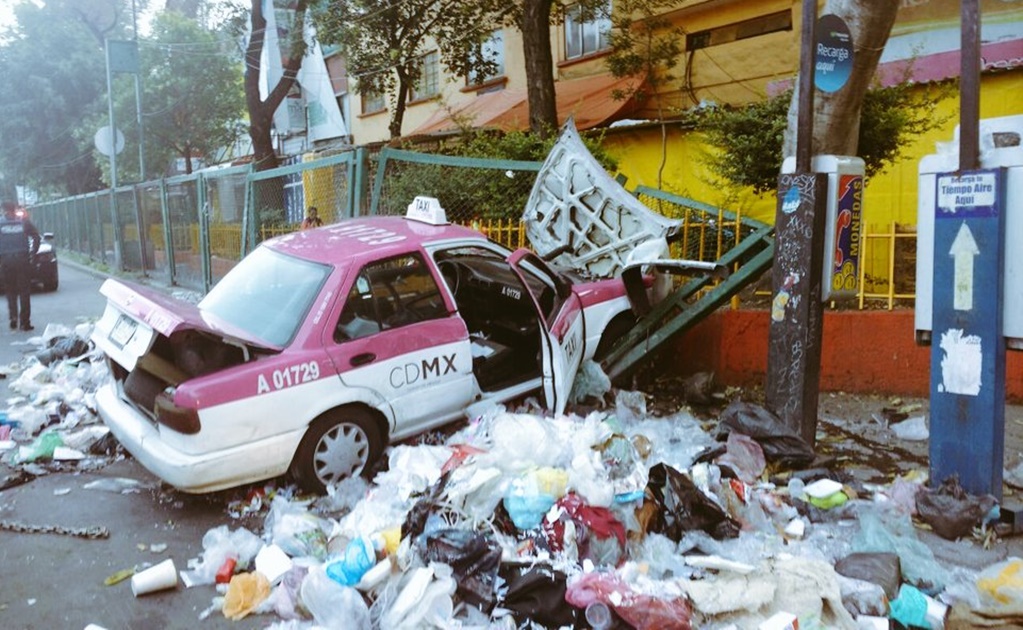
<point x="333" y="606"/>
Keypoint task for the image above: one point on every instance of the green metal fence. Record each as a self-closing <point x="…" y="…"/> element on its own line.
<point x="191" y="229"/>
<point x="470" y="190"/>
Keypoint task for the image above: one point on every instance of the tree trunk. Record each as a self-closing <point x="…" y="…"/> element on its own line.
<point x="536" y="45"/>
<point x="398" y="115"/>
<point x="261" y="112"/>
<point x="836" y="124"/>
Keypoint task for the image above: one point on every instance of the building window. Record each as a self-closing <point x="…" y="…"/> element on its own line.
<point x="492" y="49"/>
<point x="586" y="37"/>
<point x="372" y="102"/>
<point x="429" y="77"/>
<point x="772" y="23"/>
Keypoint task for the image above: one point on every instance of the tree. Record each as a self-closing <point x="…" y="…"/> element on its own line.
<point x="534" y="18"/>
<point x="47" y="110"/>
<point x="261" y="111"/>
<point x="383" y="42"/>
<point x="192" y="95"/>
<point x="836" y="118"/>
<point x="872" y="122"/>
<point x="645" y="45"/>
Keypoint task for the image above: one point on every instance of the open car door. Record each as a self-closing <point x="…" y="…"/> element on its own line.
<point x="560" y="317"/>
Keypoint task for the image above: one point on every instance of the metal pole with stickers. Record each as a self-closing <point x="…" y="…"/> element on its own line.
<point x="969" y="293"/>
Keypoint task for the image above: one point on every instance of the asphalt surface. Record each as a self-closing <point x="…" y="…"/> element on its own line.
<point x="56" y="581"/>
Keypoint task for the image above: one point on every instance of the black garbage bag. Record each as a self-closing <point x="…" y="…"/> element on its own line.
<point x="779" y="443"/>
<point x="683" y="507"/>
<point x="951" y="511"/>
<point x="63" y="348"/>
<point x="415" y="520"/>
<point x="474" y="560"/>
<point x="881" y="567"/>
<point x="537" y="594"/>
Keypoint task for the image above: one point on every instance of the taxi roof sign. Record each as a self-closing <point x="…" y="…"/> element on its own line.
<point x="426" y="210"/>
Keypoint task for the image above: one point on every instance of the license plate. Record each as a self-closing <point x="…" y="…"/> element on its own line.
<point x="123" y="330"/>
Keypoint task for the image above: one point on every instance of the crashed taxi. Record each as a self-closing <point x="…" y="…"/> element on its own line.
<point x="321" y="347"/>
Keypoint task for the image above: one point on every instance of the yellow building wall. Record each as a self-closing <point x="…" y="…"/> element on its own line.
<point x="888" y="197"/>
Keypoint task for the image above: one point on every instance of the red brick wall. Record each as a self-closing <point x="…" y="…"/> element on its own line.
<point x="862" y="352"/>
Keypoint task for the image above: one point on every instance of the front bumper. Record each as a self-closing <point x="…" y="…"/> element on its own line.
<point x="216" y="470"/>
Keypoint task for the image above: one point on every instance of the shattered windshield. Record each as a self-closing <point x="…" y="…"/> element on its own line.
<point x="267" y="295"/>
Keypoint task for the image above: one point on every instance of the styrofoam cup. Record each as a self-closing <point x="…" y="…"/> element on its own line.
<point x="155" y="578"/>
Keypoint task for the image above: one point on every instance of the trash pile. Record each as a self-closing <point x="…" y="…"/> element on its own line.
<point x="614" y="519"/>
<point x="51" y="422"/>
<point x="605" y="518"/>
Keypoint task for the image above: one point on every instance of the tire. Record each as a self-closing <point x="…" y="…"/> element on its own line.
<point x="340" y="444"/>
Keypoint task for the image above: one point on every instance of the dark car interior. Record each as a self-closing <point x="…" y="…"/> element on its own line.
<point x="499" y="313"/>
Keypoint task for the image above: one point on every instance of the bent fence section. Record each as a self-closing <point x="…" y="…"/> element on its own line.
<point x="189" y="230"/>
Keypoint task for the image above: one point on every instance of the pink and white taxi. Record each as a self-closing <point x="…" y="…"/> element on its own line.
<point x="323" y="346"/>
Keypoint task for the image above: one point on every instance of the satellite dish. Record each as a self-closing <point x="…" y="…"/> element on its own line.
<point x="107" y="145"/>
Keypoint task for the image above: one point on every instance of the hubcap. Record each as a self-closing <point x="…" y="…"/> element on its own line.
<point x="341" y="453"/>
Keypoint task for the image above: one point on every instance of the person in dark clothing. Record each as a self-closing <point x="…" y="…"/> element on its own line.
<point x="19" y="242"/>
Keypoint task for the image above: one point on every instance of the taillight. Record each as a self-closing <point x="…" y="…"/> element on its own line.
<point x="174" y="417"/>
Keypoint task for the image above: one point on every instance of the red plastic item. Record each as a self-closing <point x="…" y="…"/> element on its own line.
<point x="225" y="571"/>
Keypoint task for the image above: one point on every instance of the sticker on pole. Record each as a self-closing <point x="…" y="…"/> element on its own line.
<point x="833" y="55"/>
<point x="961" y="363"/>
<point x="971" y="194"/>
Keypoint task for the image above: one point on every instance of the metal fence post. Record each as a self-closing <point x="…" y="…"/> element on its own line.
<point x="358" y="170"/>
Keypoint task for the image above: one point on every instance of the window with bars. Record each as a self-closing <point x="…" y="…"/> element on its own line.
<point x="586" y="36"/>
<point x="771" y="23"/>
<point x="372" y="102"/>
<point x="429" y="77"/>
<point x="492" y="49"/>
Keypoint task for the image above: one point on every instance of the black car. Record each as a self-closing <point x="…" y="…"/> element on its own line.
<point x="44" y="266"/>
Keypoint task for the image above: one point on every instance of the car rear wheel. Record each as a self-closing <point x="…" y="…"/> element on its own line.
<point x="340" y="444"/>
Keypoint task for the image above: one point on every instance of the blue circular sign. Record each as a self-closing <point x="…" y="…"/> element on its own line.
<point x="833" y="56"/>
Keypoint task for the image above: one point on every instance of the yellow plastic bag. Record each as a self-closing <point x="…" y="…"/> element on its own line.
<point x="245" y="592"/>
<point x="1002" y="583"/>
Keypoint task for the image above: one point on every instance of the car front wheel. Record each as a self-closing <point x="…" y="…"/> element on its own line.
<point x="340" y="444"/>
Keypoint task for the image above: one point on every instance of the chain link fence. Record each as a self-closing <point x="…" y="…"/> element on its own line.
<point x="489" y="195"/>
<point x="190" y="230"/>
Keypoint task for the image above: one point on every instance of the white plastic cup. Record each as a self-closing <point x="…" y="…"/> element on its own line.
<point x="156" y="578"/>
<point x="598" y="615"/>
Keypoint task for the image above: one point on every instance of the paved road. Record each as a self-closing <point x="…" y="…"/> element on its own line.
<point x="55" y="582"/>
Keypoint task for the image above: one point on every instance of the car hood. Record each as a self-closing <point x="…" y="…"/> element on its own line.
<point x="168" y="315"/>
<point x="578" y="217"/>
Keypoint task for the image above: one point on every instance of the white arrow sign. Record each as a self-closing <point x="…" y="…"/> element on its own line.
<point x="964" y="248"/>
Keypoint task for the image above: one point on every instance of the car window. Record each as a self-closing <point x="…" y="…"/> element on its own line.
<point x="388" y="294"/>
<point x="267" y="294"/>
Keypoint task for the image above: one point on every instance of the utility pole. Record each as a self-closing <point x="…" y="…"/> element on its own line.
<point x="797" y="313"/>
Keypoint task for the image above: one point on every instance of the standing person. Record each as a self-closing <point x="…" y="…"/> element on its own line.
<point x="312" y="219"/>
<point x="19" y="242"/>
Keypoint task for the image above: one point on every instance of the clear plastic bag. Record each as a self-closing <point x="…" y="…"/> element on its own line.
<point x="333" y="606"/>
<point x="296" y="530"/>
<point x="219" y="544"/>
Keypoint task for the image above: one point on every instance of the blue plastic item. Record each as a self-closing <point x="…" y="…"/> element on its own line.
<point x="527" y="510"/>
<point x="359" y="557"/>
<point x="910" y="607"/>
